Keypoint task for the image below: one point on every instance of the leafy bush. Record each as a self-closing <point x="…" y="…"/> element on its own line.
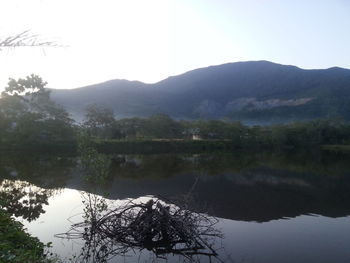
<point x="16" y="245"/>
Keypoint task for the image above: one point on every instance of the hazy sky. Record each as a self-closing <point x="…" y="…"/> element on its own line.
<point x="149" y="40"/>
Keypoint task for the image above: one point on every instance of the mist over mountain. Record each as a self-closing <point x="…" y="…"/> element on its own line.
<point x="252" y="92"/>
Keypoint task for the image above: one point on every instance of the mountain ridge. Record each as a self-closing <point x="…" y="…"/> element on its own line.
<point x="260" y="91"/>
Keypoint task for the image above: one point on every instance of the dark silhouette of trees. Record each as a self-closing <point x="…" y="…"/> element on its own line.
<point x="99" y="121"/>
<point x="28" y="114"/>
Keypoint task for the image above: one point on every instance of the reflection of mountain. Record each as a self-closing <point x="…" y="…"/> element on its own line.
<point x="265" y="201"/>
<point x="243" y="197"/>
<point x="242" y="187"/>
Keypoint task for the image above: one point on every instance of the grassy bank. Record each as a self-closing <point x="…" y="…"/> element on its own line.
<point x="16" y="245"/>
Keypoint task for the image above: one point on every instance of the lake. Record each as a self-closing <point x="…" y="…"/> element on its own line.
<point x="270" y="207"/>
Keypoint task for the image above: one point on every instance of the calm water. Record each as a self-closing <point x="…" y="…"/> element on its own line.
<point x="271" y="207"/>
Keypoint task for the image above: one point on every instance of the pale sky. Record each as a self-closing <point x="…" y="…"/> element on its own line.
<point x="149" y="40"/>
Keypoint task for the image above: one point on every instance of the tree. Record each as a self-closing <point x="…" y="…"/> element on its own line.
<point x="129" y="128"/>
<point x="31" y="95"/>
<point x="30" y="114"/>
<point x="162" y="126"/>
<point x="99" y="121"/>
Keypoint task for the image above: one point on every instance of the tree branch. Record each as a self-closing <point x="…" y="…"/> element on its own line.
<point x="25" y="39"/>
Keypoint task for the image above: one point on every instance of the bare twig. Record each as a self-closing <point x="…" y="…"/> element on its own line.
<point x="154" y="225"/>
<point x="25" y="39"/>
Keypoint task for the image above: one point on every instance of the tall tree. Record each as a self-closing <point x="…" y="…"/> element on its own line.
<point x="26" y="105"/>
<point x="99" y="120"/>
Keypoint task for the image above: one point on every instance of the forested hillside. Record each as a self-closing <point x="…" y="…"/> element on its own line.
<point x="258" y="92"/>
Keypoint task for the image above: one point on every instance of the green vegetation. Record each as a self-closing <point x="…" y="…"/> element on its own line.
<point x="142" y="136"/>
<point x="16" y="245"/>
<point x="28" y="116"/>
<point x="21" y="199"/>
<point x="160" y="133"/>
<point x="30" y="120"/>
<point x="95" y="164"/>
<point x="337" y="148"/>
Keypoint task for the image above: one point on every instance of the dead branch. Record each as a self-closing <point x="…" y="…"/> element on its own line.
<point x="25" y="39"/>
<point x="154" y="225"/>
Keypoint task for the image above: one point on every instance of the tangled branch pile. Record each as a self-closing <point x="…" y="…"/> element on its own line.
<point x="153" y="225"/>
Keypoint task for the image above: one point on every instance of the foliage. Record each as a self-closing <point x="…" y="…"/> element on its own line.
<point x="98" y="121"/>
<point x="311" y="133"/>
<point x="95" y="164"/>
<point x="27" y="114"/>
<point x="162" y="126"/>
<point x="20" y="198"/>
<point x="16" y="245"/>
<point x="160" y="131"/>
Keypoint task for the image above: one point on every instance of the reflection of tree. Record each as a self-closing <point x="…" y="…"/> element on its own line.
<point x="44" y="170"/>
<point x="23" y="199"/>
<point x="136" y="225"/>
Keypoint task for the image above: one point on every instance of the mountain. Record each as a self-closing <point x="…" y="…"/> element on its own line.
<point x="254" y="91"/>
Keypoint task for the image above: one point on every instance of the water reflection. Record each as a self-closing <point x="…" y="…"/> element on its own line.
<point x="145" y="223"/>
<point x="27" y="181"/>
<point x="46" y="171"/>
<point x="252" y="194"/>
<point x="260" y="187"/>
<point x="242" y="187"/>
<point x="23" y="199"/>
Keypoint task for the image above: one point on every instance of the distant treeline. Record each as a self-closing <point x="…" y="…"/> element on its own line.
<point x="221" y="134"/>
<point x="28" y="118"/>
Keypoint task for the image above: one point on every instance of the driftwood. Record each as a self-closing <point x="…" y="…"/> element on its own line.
<point x="153" y="225"/>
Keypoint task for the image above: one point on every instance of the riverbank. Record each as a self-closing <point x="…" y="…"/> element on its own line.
<point x="132" y="146"/>
<point x="160" y="146"/>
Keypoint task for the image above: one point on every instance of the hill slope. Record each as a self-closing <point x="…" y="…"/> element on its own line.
<point x="256" y="91"/>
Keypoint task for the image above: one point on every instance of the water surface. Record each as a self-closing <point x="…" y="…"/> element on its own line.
<point x="271" y="207"/>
